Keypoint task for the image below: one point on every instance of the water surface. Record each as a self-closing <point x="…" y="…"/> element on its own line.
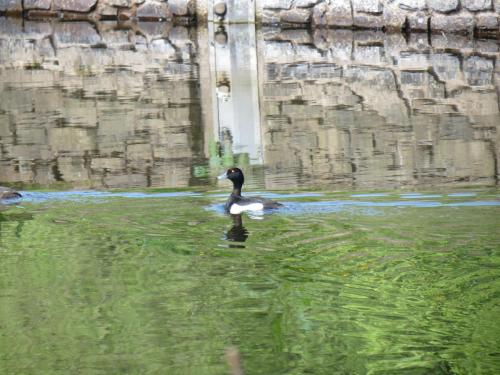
<point x="330" y="284"/>
<point x="382" y="148"/>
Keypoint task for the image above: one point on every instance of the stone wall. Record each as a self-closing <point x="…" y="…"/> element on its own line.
<point x="182" y="11"/>
<point x="349" y="108"/>
<point x="463" y="16"/>
<point x="116" y="104"/>
<point x="106" y="106"/>
<point x="451" y="16"/>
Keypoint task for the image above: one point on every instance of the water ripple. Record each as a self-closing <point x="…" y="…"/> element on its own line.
<point x="37" y="197"/>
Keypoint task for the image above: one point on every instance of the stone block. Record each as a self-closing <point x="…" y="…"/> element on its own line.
<point x="295" y="71"/>
<point x="325" y="71"/>
<point x="464" y="43"/>
<point x="154" y="29"/>
<point x="412" y="4"/>
<point x="279" y="51"/>
<point x="271" y="108"/>
<point x="270" y="32"/>
<point x="372" y="55"/>
<point x="369" y="37"/>
<point x="112" y="164"/>
<point x="71" y="140"/>
<point x="303" y="111"/>
<point x="35" y="14"/>
<point x="477" y="102"/>
<point x="161" y="48"/>
<point x="341" y="49"/>
<point x="368" y="21"/>
<point x="419" y="41"/>
<point x="443" y="6"/>
<point x="421" y="85"/>
<point x="118" y="3"/>
<point x="460" y="23"/>
<point x="37" y="4"/>
<point x="107" y="11"/>
<point x="179" y="36"/>
<point x="488" y="21"/>
<point x="306" y="3"/>
<point x="307" y="53"/>
<point x="477" y="5"/>
<point x="446" y="66"/>
<point x="179" y="7"/>
<point x="10" y="27"/>
<point x="153" y="11"/>
<point x="418" y="21"/>
<point x="368" y="6"/>
<point x="126" y="180"/>
<point x="181" y="70"/>
<point x="487" y="46"/>
<point x="125" y="14"/>
<point x="394" y="43"/>
<point x="413" y="60"/>
<point x="337" y="13"/>
<point x="478" y="71"/>
<point x="278" y="4"/>
<point x="300" y="16"/>
<point x="371" y="77"/>
<point x="282" y="90"/>
<point x="75" y="34"/>
<point x="11" y="6"/>
<point x="36" y="30"/>
<point x="82" y="6"/>
<point x="297" y="36"/>
<point x="270" y="17"/>
<point x="115" y="38"/>
<point x="139" y="151"/>
<point x="394" y="18"/>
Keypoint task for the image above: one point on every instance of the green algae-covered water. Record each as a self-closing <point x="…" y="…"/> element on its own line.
<point x="117" y="283"/>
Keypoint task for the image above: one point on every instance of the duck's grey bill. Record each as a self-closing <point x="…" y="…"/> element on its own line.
<point x="222" y="176"/>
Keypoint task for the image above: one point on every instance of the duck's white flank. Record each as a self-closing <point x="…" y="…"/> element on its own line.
<point x="237" y="209"/>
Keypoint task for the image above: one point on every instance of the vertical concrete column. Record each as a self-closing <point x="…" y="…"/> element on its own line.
<point x="259" y="9"/>
<point x="228" y="11"/>
<point x="207" y="84"/>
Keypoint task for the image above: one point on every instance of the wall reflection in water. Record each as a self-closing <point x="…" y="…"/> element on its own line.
<point x="156" y="105"/>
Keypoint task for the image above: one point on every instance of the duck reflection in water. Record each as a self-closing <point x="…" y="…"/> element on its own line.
<point x="237" y="233"/>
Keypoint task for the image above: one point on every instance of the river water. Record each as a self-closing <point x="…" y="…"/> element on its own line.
<point x="382" y="148"/>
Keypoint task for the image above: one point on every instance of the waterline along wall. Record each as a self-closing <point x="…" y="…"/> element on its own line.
<point x="455" y="16"/>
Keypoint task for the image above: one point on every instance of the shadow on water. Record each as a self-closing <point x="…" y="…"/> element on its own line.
<point x="237" y="234"/>
<point x="16" y="219"/>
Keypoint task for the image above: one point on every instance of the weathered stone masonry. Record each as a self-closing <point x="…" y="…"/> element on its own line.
<point x="103" y="105"/>
<point x="352" y="107"/>
<point x="451" y="16"/>
<point x="182" y="11"/>
<point x="462" y="16"/>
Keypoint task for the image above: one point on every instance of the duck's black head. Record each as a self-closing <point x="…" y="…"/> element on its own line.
<point x="235" y="175"/>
